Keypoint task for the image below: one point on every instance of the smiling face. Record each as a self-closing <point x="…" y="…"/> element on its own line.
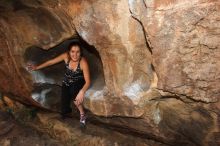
<point x="75" y="53"/>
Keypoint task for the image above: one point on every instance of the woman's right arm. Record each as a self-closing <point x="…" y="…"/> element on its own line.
<point x="50" y="62"/>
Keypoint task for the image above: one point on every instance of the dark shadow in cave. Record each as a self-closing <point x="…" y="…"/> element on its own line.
<point x="1" y="96"/>
<point x="48" y="81"/>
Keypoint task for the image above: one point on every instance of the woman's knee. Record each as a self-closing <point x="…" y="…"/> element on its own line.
<point x="75" y="103"/>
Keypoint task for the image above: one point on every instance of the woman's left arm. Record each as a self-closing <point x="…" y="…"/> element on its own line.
<point x="85" y="67"/>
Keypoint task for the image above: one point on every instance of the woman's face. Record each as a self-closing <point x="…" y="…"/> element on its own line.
<point x="75" y="53"/>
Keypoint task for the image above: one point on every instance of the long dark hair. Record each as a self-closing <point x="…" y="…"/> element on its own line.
<point x="75" y="44"/>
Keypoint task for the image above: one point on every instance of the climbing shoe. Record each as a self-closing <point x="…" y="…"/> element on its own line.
<point x="82" y="120"/>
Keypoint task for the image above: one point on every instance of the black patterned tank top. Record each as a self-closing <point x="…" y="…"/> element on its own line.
<point x="71" y="76"/>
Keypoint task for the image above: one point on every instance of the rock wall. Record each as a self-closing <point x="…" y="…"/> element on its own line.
<point x="25" y="24"/>
<point x="159" y="58"/>
<point x="184" y="45"/>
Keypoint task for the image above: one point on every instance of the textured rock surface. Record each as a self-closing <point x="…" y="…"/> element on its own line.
<point x="13" y="133"/>
<point x="159" y="58"/>
<point x="184" y="38"/>
<point x="23" y="126"/>
<point x="25" y="24"/>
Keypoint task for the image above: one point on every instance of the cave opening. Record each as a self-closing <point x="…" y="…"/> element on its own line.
<point x="48" y="81"/>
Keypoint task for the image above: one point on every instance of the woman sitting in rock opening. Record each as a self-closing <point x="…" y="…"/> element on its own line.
<point x="76" y="79"/>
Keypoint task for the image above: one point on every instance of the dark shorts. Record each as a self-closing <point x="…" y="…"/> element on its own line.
<point x="69" y="94"/>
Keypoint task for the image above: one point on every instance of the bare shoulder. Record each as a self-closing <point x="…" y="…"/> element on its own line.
<point x="65" y="56"/>
<point x="83" y="62"/>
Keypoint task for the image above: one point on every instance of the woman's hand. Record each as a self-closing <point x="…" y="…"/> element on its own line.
<point x="79" y="98"/>
<point x="31" y="67"/>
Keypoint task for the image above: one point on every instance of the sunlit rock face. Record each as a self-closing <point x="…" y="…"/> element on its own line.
<point x="185" y="45"/>
<point x="154" y="62"/>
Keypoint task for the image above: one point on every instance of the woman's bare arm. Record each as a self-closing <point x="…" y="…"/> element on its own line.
<point x="85" y="68"/>
<point x="50" y="62"/>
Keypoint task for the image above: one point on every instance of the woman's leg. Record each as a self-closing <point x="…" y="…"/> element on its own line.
<point x="75" y="91"/>
<point x="80" y="108"/>
<point x="65" y="101"/>
<point x="82" y="114"/>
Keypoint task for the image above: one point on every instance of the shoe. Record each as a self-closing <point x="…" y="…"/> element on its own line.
<point x="82" y="120"/>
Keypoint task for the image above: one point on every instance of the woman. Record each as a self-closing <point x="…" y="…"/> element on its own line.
<point x="76" y="79"/>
